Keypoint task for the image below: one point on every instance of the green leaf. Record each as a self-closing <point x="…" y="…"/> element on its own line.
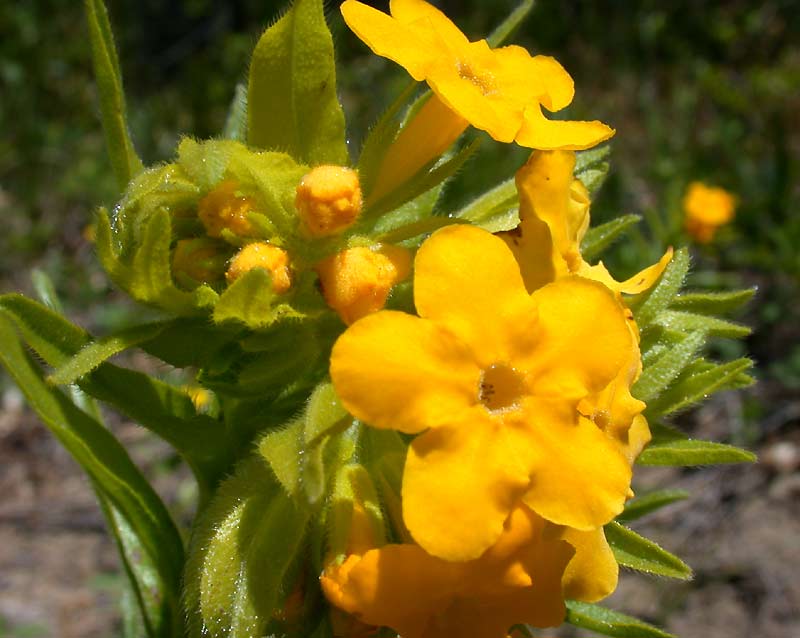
<point x="244" y="555"/>
<point x="713" y="303"/>
<point x="610" y="623"/>
<point x="696" y="383"/>
<point x="292" y="103"/>
<point x="157" y="406"/>
<point x="649" y="303"/>
<point x="591" y="167"/>
<point x="508" y="27"/>
<point x="151" y="278"/>
<point x="415" y="229"/>
<point x="236" y="122"/>
<point x="249" y="300"/>
<point x="639" y="553"/>
<point x="124" y="160"/>
<point x="495" y="210"/>
<point x="640" y="506"/>
<point x="111" y="471"/>
<point x="96" y="352"/>
<point x="689" y="321"/>
<point x="379" y="138"/>
<point x="601" y="237"/>
<point x="666" y="367"/>
<point x="693" y="452"/>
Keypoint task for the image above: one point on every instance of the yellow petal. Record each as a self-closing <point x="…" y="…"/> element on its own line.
<point x="582" y="339"/>
<point x="532" y="246"/>
<point x="593" y="572"/>
<point x="580" y="478"/>
<point x="397" y="586"/>
<point x="418" y="13"/>
<point x="529" y="79"/>
<point x="647" y="277"/>
<point x="461" y="482"/>
<point x="389" y="38"/>
<point x="468" y="280"/>
<point x="397" y="371"/>
<point x="539" y="132"/>
<point x="638" y="437"/>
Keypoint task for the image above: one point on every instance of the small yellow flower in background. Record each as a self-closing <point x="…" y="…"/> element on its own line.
<point x="517" y="580"/>
<point x="262" y="255"/>
<point x="357" y="281"/>
<point x="706" y="208"/>
<point x="328" y="200"/>
<point x="554" y="217"/>
<point x="494" y="381"/>
<point x="501" y="91"/>
<point x="223" y="208"/>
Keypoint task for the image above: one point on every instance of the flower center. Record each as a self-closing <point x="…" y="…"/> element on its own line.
<point x="484" y="81"/>
<point x="501" y="387"/>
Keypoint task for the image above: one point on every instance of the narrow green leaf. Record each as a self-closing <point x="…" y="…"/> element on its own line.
<point x="666" y="367"/>
<point x="610" y="623"/>
<point x="648" y="304"/>
<point x="95" y="353"/>
<point x="508" y="27"/>
<point x="640" y="506"/>
<point x="689" y="321"/>
<point x="592" y="158"/>
<point x="599" y="238"/>
<point x="108" y="465"/>
<point x="415" y="229"/>
<point x="693" y="452"/>
<point x="236" y="122"/>
<point x="713" y="303"/>
<point x="493" y="206"/>
<point x="45" y="289"/>
<point x="124" y="160"/>
<point x="663" y="433"/>
<point x="639" y="553"/>
<point x="379" y="138"/>
<point x="695" y="384"/>
<point x="292" y="103"/>
<point x="157" y="406"/>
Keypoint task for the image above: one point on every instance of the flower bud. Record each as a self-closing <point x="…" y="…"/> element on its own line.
<point x="262" y="255"/>
<point x="357" y="281"/>
<point x="223" y="209"/>
<point x="328" y="200"/>
<point x="197" y="261"/>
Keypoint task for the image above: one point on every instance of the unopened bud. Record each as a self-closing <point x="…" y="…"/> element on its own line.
<point x="357" y="281"/>
<point x="262" y="255"/>
<point x="223" y="209"/>
<point x="328" y="200"/>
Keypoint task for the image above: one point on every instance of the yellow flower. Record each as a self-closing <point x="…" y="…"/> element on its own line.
<point x="706" y="208"/>
<point x="517" y="580"/>
<point x="328" y="200"/>
<point x="261" y="254"/>
<point x="357" y="281"/>
<point x="554" y="217"/>
<point x="491" y="378"/>
<point x="223" y="208"/>
<point x="501" y="91"/>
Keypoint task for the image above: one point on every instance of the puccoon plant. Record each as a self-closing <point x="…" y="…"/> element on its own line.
<point x="402" y="420"/>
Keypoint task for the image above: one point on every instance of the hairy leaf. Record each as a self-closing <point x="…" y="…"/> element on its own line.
<point x="639" y="553"/>
<point x="693" y="452"/>
<point x="610" y="623"/>
<point x="601" y="237"/>
<point x="640" y="506"/>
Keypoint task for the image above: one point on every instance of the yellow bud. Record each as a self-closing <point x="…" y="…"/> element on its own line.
<point x="328" y="200"/>
<point x="223" y="208"/>
<point x="262" y="255"/>
<point x="196" y="261"/>
<point x="357" y="281"/>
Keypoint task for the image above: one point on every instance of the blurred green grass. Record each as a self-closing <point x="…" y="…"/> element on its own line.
<point x="697" y="90"/>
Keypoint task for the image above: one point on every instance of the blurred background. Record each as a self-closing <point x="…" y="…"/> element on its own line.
<point x="697" y="90"/>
